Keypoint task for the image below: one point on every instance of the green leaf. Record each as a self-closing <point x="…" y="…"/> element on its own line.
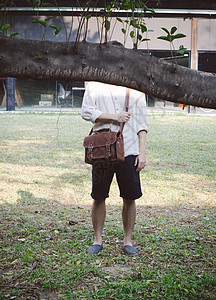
<point x="119" y="19"/>
<point x="151" y="10"/>
<point x="182" y="47"/>
<point x="88" y="17"/>
<point x="143" y="28"/>
<point x="57" y="29"/>
<point x="179" y="36"/>
<point x="165" y="38"/>
<point x="108" y="7"/>
<point x="139" y="36"/>
<point x="37" y="57"/>
<point x="126" y="6"/>
<point x="36" y="3"/>
<point x="53" y="26"/>
<point x="5" y="27"/>
<point x="145" y="8"/>
<point x="49" y="18"/>
<point x="172" y="37"/>
<point x="132" y="34"/>
<point x="173" y="29"/>
<point x="140" y="4"/>
<point x="166" y="30"/>
<point x="123" y="30"/>
<point x="133" y="22"/>
<point x="47" y="4"/>
<point x="115" y="4"/>
<point x="107" y="25"/>
<point x="42" y="22"/>
<point x="14" y="33"/>
<point x="145" y="40"/>
<point x="181" y="50"/>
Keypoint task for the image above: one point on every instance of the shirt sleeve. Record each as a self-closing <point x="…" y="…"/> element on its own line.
<point x="141" y="113"/>
<point x="89" y="111"/>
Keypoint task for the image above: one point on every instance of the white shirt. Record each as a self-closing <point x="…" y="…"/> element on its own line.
<point x="103" y="98"/>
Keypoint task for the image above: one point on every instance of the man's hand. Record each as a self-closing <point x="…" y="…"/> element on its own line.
<point x="123" y="117"/>
<point x="120" y="118"/>
<point x="140" y="162"/>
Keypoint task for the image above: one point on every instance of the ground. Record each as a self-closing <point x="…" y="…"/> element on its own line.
<point x="46" y="222"/>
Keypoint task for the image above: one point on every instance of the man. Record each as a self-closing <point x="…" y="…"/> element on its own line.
<point x="104" y="106"/>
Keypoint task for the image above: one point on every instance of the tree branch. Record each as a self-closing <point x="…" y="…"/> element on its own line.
<point x="108" y="63"/>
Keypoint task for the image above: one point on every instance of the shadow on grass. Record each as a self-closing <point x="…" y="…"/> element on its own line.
<point x="44" y="252"/>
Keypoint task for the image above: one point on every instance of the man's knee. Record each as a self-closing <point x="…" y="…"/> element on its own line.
<point x="127" y="202"/>
<point x="98" y="202"/>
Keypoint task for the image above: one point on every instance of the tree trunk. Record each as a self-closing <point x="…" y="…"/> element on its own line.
<point x="45" y="60"/>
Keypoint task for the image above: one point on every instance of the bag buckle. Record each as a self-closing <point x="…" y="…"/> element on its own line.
<point x="108" y="149"/>
<point x="90" y="150"/>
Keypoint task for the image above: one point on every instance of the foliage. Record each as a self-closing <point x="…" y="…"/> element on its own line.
<point x="38" y="3"/>
<point x="170" y="37"/>
<point x="181" y="50"/>
<point x="133" y="26"/>
<point x="5" y="27"/>
<point x="44" y="24"/>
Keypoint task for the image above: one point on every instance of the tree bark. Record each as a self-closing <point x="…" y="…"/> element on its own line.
<point x="113" y="64"/>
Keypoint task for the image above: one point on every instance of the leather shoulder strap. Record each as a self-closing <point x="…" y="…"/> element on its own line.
<point x="126" y="106"/>
<point x="127" y="99"/>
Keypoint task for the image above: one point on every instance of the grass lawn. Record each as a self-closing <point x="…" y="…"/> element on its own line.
<point x="46" y="213"/>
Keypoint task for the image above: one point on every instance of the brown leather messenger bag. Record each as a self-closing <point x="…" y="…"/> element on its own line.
<point x="105" y="146"/>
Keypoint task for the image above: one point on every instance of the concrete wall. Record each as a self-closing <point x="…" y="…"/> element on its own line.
<point x="206" y="31"/>
<point x="206" y="35"/>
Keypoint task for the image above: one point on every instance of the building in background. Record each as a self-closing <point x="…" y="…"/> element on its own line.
<point x="196" y="19"/>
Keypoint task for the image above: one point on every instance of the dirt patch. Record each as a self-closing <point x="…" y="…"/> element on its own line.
<point x="117" y="270"/>
<point x="177" y="213"/>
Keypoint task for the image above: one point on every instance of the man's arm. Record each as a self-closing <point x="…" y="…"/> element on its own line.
<point x="140" y="161"/>
<point x="120" y="117"/>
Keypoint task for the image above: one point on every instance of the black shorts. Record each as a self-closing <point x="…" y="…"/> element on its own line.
<point x="127" y="177"/>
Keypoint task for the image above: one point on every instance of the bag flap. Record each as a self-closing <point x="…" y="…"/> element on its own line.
<point x="100" y="139"/>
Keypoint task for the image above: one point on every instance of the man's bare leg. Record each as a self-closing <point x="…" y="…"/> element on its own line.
<point x="98" y="218"/>
<point x="128" y="218"/>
